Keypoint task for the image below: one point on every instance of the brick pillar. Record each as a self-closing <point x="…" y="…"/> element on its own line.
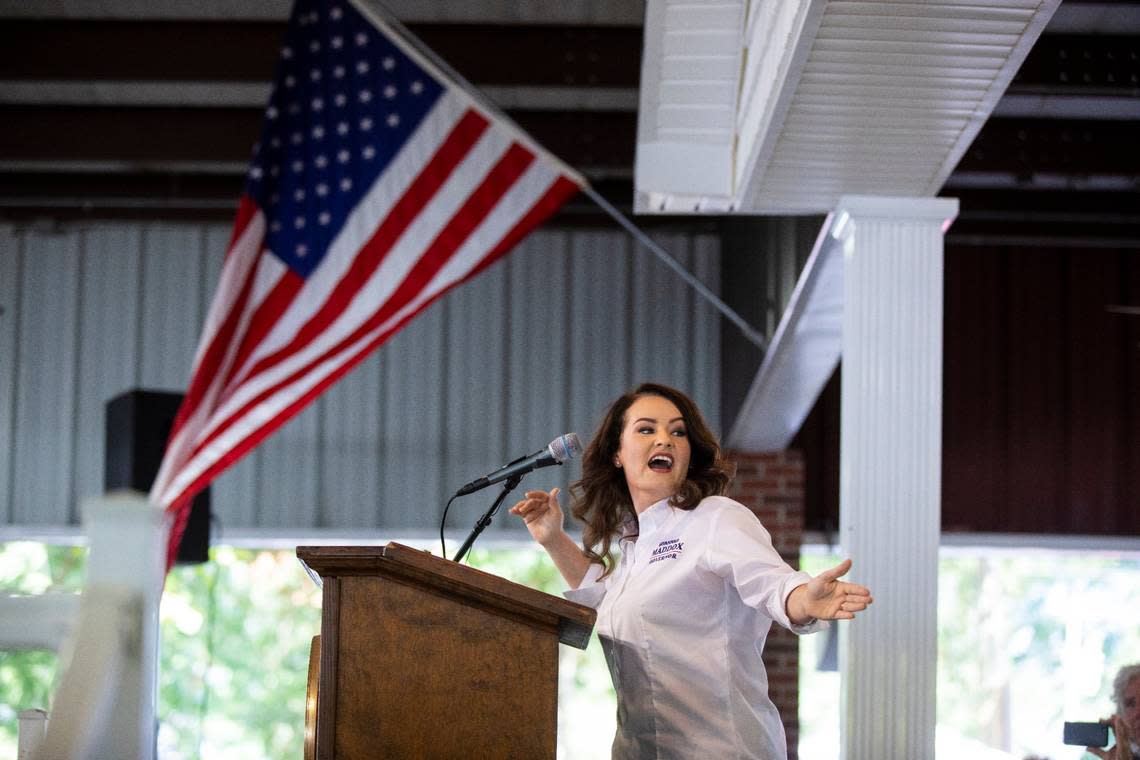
<point x="772" y="486"/>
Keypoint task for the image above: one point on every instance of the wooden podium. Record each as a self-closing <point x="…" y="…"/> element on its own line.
<point x="425" y="658"/>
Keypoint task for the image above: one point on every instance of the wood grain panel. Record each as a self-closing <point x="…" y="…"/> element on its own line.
<point x="451" y="659"/>
<point x="425" y="658"/>
<point x="329" y="669"/>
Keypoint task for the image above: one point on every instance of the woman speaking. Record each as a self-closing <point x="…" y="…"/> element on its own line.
<point x="684" y="612"/>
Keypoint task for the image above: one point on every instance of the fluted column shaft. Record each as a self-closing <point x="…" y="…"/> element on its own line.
<point x="890" y="468"/>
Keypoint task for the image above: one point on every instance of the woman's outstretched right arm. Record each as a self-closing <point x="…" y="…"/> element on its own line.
<point x="543" y="517"/>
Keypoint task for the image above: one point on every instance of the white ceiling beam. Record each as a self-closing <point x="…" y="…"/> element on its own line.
<point x="690" y="66"/>
<point x="801" y="357"/>
<point x="839" y="97"/>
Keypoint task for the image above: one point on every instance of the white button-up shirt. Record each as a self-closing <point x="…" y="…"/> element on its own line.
<point x="682" y="620"/>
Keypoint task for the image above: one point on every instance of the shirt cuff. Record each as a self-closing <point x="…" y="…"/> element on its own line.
<point x="794" y="581"/>
<point x="590" y="591"/>
<point x="812" y="627"/>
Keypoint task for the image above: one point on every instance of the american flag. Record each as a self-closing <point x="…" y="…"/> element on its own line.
<point x="376" y="186"/>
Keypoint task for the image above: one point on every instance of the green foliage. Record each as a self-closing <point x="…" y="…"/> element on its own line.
<point x="27" y="678"/>
<point x="241" y="623"/>
<point x="526" y="566"/>
<point x="1026" y="641"/>
<point x="587" y="703"/>
<point x="235" y="655"/>
<point x="1030" y="640"/>
<point x="26" y="682"/>
<point x="235" y="637"/>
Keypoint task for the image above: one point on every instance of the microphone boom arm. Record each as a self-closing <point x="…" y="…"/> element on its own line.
<point x="482" y="523"/>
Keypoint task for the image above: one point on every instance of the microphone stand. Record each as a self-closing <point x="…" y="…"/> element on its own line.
<point x="485" y="520"/>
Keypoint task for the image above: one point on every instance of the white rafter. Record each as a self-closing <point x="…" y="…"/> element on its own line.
<point x="827" y="98"/>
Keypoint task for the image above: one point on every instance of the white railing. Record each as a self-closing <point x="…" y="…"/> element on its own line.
<point x="107" y="638"/>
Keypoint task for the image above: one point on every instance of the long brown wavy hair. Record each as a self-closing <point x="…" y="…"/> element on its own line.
<point x="601" y="497"/>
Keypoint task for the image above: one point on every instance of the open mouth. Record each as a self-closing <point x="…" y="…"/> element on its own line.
<point x="661" y="463"/>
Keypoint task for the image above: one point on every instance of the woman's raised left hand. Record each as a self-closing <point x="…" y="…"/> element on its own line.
<point x="825" y="597"/>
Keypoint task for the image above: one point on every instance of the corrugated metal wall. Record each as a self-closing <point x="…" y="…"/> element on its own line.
<point x="533" y="348"/>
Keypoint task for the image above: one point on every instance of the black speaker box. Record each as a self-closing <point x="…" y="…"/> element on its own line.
<point x="138" y="427"/>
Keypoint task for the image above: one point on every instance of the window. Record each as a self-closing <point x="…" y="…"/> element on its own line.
<point x="1027" y="639"/>
<point x="235" y="651"/>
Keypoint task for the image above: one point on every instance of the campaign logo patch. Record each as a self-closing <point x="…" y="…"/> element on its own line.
<point x="670" y="548"/>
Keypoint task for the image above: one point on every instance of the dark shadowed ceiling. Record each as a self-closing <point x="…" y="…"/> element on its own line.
<point x="112" y="108"/>
<point x="122" y="109"/>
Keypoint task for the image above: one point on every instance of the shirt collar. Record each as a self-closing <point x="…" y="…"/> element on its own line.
<point x="654" y="517"/>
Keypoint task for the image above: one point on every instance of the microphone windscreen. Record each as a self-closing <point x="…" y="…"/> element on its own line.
<point x="565" y="447"/>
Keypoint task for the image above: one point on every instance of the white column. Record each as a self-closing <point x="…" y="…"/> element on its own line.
<point x="105" y="705"/>
<point x="890" y="468"/>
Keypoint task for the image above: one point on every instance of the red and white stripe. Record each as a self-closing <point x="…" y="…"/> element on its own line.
<point x="460" y="194"/>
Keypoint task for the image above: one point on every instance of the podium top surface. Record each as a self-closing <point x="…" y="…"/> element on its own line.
<point x="573" y="622"/>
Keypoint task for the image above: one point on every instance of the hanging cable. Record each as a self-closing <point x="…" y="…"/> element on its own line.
<point x="749" y="331"/>
<point x="375" y="10"/>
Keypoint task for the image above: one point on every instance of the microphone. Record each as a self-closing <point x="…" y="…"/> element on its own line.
<point x="562" y="448"/>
